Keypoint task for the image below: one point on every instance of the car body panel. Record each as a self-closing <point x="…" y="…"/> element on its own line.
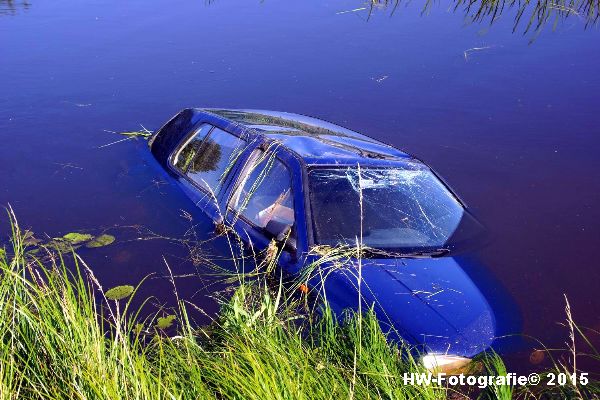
<point x="430" y="302"/>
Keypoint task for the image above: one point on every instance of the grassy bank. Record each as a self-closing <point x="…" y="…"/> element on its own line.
<point x="64" y="337"/>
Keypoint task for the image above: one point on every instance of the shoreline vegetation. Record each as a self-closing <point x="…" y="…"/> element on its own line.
<point x="63" y="336"/>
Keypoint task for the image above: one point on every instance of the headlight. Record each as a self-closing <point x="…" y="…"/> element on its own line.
<point x="449" y="364"/>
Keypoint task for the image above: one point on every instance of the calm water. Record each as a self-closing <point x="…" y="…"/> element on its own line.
<point x="513" y="126"/>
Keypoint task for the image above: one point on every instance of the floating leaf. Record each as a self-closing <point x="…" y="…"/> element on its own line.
<point x="100" y="241"/>
<point x="60" y="245"/>
<point x="31" y="241"/>
<point x="77" y="238"/>
<point x="119" y="292"/>
<point x="165" y="322"/>
<point x="28" y="239"/>
<point x="144" y="134"/>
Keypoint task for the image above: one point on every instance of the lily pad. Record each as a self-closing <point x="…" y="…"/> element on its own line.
<point x="165" y="322"/>
<point x="28" y="239"/>
<point x="60" y="245"/>
<point x="119" y="292"/>
<point x="101" y="241"/>
<point x="77" y="238"/>
<point x="31" y="241"/>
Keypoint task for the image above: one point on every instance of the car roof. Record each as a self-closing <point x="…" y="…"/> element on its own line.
<point x="316" y="141"/>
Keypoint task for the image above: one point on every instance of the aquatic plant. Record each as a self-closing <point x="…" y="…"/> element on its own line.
<point x="165" y="322"/>
<point x="101" y="241"/>
<point x="129" y="135"/>
<point x="77" y="238"/>
<point x="119" y="292"/>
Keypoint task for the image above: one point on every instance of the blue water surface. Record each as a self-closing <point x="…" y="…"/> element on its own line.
<point x="510" y="119"/>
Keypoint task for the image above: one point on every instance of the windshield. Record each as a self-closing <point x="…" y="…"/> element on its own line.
<point x="406" y="208"/>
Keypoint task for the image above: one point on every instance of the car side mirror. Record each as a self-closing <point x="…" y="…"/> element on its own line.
<point x="280" y="231"/>
<point x="277" y="230"/>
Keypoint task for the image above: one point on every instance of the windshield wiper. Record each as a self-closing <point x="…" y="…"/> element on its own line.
<point x="382" y="253"/>
<point x="376" y="253"/>
<point x="425" y="253"/>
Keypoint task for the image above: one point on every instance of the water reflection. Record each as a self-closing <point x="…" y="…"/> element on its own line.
<point x="209" y="161"/>
<point x="529" y="16"/>
<point x="10" y="7"/>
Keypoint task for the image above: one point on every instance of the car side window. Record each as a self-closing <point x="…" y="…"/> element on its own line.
<point x="186" y="153"/>
<point x="265" y="193"/>
<point x="214" y="158"/>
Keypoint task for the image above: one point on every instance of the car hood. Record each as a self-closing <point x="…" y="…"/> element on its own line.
<point x="429" y="302"/>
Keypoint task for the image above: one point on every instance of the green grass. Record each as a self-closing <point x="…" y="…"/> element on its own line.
<point x="62" y="338"/>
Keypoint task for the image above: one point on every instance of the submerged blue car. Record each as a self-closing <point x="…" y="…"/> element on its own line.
<point x="314" y="186"/>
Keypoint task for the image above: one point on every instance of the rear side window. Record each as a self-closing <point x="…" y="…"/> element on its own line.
<point x="265" y="192"/>
<point x="186" y="153"/>
<point x="215" y="156"/>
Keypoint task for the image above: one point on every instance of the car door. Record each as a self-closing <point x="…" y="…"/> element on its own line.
<point x="264" y="206"/>
<point x="206" y="162"/>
